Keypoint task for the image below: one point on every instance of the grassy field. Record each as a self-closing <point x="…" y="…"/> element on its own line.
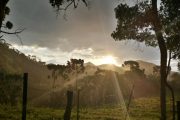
<point x="140" y="109"/>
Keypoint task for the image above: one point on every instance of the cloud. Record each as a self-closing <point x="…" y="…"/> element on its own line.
<point x="59" y="56"/>
<point x="85" y="34"/>
<point x="56" y="55"/>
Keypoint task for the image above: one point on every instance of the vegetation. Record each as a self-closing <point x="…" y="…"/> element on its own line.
<point x="10" y="88"/>
<point x="145" y="22"/>
<point x="143" y="108"/>
<point x="94" y="79"/>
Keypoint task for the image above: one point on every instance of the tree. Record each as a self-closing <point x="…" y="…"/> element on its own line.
<point x="57" y="71"/>
<point x="65" y="4"/>
<point x="134" y="72"/>
<point x="77" y="65"/>
<point x="4" y="11"/>
<point x="145" y="22"/>
<point x="59" y="5"/>
<point x="134" y="68"/>
<point x="74" y="66"/>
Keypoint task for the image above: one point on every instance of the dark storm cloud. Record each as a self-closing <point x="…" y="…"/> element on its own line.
<point x="83" y="28"/>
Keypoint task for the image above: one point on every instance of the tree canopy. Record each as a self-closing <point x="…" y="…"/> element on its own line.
<point x="65" y="4"/>
<point x="155" y="25"/>
<point x="136" y="23"/>
<point x="6" y="25"/>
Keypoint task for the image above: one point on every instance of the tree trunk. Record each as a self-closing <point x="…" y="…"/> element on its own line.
<point x="67" y="114"/>
<point x="1" y="13"/>
<point x="163" y="80"/>
<point x="163" y="51"/>
<point x="178" y="110"/>
<point x="170" y="88"/>
<point x="2" y="8"/>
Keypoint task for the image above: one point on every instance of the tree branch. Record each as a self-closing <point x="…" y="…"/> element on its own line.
<point x="15" y="32"/>
<point x="1" y="36"/>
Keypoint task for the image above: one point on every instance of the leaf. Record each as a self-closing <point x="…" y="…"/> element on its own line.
<point x="7" y="10"/>
<point x="9" y="25"/>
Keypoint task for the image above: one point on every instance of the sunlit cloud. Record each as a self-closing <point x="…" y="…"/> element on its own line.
<point x="59" y="56"/>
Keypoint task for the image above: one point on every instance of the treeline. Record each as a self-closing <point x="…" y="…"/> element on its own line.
<point x="8" y="46"/>
<point x="100" y="88"/>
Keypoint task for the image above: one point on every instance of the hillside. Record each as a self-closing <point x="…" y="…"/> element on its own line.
<point x="99" y="84"/>
<point x="14" y="62"/>
<point x="120" y="70"/>
<point x="147" y="66"/>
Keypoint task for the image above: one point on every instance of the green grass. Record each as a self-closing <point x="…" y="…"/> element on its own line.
<point x="140" y="109"/>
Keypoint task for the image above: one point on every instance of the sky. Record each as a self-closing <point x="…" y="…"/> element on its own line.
<point x="84" y="33"/>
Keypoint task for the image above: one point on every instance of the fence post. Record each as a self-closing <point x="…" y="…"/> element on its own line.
<point x="178" y="110"/>
<point x="67" y="114"/>
<point x="24" y="105"/>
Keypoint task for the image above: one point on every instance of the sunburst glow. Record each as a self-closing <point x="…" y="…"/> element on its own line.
<point x="105" y="60"/>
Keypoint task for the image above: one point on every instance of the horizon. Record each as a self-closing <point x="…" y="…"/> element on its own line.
<point x="98" y="60"/>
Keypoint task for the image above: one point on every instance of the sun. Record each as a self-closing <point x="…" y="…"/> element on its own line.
<point x="106" y="60"/>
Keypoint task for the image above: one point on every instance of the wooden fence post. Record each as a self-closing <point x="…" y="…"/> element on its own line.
<point x="178" y="110"/>
<point x="24" y="105"/>
<point x="67" y="114"/>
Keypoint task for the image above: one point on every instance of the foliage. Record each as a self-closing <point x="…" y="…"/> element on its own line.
<point x="64" y="4"/>
<point x="62" y="70"/>
<point x="175" y="82"/>
<point x="74" y="65"/>
<point x="145" y="22"/>
<point x="134" y="67"/>
<point x="4" y="25"/>
<point x="10" y="88"/>
<point x="5" y="11"/>
<point x="136" y="23"/>
<point x="144" y="108"/>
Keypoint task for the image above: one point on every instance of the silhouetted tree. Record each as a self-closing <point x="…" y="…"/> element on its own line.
<point x="59" y="5"/>
<point x="4" y="11"/>
<point x="56" y="70"/>
<point x="77" y="65"/>
<point x="134" y="67"/>
<point x="65" y="4"/>
<point x="178" y="66"/>
<point x="74" y="66"/>
<point x="144" y="22"/>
